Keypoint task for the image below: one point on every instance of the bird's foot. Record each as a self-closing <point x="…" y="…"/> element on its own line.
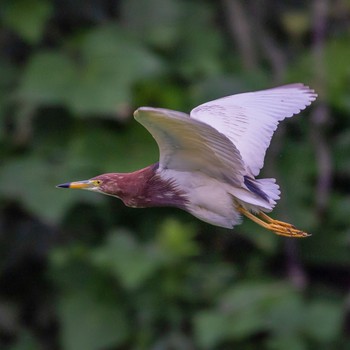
<point x="278" y="227"/>
<point x="287" y="231"/>
<point x="283" y="228"/>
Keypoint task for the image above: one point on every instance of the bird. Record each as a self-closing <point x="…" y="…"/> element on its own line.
<point x="209" y="159"/>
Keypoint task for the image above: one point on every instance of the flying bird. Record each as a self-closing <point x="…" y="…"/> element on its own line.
<point x="209" y="160"/>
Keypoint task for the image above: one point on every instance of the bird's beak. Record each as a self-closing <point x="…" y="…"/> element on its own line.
<point x="86" y="184"/>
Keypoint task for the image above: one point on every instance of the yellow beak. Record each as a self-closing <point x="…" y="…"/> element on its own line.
<point x="78" y="184"/>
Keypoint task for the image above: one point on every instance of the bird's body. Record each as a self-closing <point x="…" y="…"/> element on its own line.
<point x="209" y="159"/>
<point x="204" y="197"/>
<point x="213" y="201"/>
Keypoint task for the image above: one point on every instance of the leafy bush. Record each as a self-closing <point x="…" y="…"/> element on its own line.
<point x="81" y="271"/>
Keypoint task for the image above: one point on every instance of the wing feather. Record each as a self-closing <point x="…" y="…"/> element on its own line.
<point x="187" y="144"/>
<point x="250" y="119"/>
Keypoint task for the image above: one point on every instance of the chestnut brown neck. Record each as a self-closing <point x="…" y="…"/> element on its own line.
<point x="143" y="188"/>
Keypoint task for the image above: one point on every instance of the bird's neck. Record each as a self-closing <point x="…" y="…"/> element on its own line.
<point x="146" y="188"/>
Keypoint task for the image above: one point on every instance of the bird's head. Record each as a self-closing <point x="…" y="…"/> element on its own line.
<point x="106" y="184"/>
<point x="142" y="188"/>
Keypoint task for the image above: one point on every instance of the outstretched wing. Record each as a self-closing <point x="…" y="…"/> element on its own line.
<point x="250" y="119"/>
<point x="187" y="144"/>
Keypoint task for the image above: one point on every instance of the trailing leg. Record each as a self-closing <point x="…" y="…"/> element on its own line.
<point x="278" y="227"/>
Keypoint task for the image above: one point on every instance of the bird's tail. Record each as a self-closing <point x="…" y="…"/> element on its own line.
<point x="260" y="194"/>
<point x="270" y="188"/>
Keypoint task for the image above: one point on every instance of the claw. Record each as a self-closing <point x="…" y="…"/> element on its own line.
<point x="278" y="227"/>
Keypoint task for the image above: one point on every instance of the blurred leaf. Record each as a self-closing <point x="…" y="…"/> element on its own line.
<point x="91" y="323"/>
<point x="131" y="262"/>
<point x="242" y="311"/>
<point x="111" y="64"/>
<point x="337" y="72"/>
<point x="251" y="295"/>
<point x="297" y="23"/>
<point x="176" y="239"/>
<point x="324" y="320"/>
<point x="155" y="21"/>
<point x="111" y="150"/>
<point x="152" y="92"/>
<point x="47" y="79"/>
<point x="219" y="85"/>
<point x="210" y="280"/>
<point x="247" y="305"/>
<point x="27" y="17"/>
<point x="206" y="54"/>
<point x="210" y="328"/>
<point x="32" y="181"/>
<point x="286" y="316"/>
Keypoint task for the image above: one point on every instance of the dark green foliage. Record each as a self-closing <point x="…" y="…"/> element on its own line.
<point x="79" y="271"/>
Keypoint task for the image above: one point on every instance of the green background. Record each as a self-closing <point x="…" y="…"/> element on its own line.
<point x="79" y="271"/>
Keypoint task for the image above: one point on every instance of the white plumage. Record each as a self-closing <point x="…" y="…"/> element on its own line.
<point x="214" y="154"/>
<point x="250" y="119"/>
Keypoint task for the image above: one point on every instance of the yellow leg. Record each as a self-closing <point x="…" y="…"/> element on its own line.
<point x="278" y="227"/>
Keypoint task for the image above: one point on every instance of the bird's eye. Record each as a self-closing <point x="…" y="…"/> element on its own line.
<point x="97" y="182"/>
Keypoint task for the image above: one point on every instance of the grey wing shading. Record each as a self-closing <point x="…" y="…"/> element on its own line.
<point x="187" y="144"/>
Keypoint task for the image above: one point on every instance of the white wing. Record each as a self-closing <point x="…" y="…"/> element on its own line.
<point x="187" y="144"/>
<point x="250" y="119"/>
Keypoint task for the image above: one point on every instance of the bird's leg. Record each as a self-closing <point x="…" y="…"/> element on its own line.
<point x="270" y="220"/>
<point x="278" y="227"/>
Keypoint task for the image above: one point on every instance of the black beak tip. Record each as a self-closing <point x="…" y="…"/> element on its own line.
<point x="66" y="185"/>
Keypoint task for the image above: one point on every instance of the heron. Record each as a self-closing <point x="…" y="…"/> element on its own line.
<point x="209" y="159"/>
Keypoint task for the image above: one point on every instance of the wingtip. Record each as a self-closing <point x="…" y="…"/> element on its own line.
<point x="309" y="91"/>
<point x="305" y="89"/>
<point x="301" y="87"/>
<point x="312" y="94"/>
<point x="144" y="109"/>
<point x="139" y="111"/>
